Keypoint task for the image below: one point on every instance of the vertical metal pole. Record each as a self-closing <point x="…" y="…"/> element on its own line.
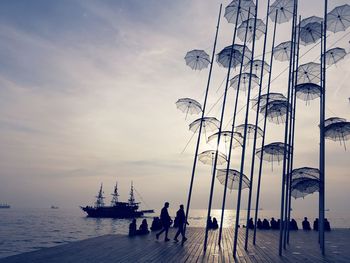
<point x="256" y="130"/>
<point x="231" y="139"/>
<point x="293" y="132"/>
<point x="218" y="141"/>
<point x="203" y="114"/>
<point x="284" y="170"/>
<point x="322" y="143"/>
<point x="245" y="136"/>
<point x="290" y="150"/>
<point x="264" y="130"/>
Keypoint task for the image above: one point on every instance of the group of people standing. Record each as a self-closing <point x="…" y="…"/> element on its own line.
<point x="273" y="224"/>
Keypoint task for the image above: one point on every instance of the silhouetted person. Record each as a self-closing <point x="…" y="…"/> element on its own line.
<point x="274" y="224"/>
<point x="156" y="224"/>
<point x="166" y="222"/>
<point x="266" y="224"/>
<point x="259" y="224"/>
<point x="143" y="229"/>
<point x="210" y="223"/>
<point x="293" y="225"/>
<point x="215" y="224"/>
<point x="315" y="226"/>
<point x="251" y="223"/>
<point x="132" y="228"/>
<point x="327" y="226"/>
<point x="181" y="218"/>
<point x="306" y="224"/>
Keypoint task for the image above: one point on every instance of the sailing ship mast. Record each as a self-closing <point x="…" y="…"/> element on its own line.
<point x="132" y="198"/>
<point x="99" y="201"/>
<point x="115" y="195"/>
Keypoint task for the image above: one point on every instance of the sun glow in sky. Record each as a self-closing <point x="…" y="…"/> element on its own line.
<point x="88" y="92"/>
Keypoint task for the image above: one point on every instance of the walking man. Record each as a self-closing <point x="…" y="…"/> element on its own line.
<point x="166" y="222"/>
<point x="180" y="215"/>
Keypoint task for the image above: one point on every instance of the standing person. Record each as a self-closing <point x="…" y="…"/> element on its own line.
<point x="166" y="221"/>
<point x="180" y="215"/>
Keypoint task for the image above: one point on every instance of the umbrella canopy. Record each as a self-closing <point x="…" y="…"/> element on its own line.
<point x="334" y="55"/>
<point x="276" y="111"/>
<point x="197" y="59"/>
<point x="236" y="136"/>
<point x="285" y="10"/>
<point x="272" y="96"/>
<point x="208" y="157"/>
<point x="302" y="187"/>
<point x="224" y="56"/>
<point x="310" y="32"/>
<point x="338" y="131"/>
<point x="233" y="179"/>
<point x="242" y="10"/>
<point x="209" y="124"/>
<point x="309" y="72"/>
<point x="242" y="29"/>
<point x="250" y="130"/>
<point x="244" y="82"/>
<point x="189" y="106"/>
<point x="282" y="51"/>
<point x="257" y="66"/>
<point x="272" y="152"/>
<point x="308" y="91"/>
<point x="339" y="18"/>
<point x="305" y="172"/>
<point x="333" y="120"/>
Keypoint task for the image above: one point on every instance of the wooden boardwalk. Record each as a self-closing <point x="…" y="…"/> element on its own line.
<point x="118" y="248"/>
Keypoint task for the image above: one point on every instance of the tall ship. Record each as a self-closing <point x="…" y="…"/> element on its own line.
<point x="117" y="209"/>
<point x="4" y="205"/>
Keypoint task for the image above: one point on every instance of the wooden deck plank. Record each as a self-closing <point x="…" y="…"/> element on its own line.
<point x="303" y="247"/>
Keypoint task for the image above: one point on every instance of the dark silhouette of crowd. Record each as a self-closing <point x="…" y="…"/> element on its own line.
<point x="293" y="225"/>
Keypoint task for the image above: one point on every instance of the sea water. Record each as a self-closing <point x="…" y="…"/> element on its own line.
<point x="24" y="230"/>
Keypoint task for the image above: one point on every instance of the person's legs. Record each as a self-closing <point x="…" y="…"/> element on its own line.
<point x="166" y="229"/>
<point x="177" y="234"/>
<point x="157" y="235"/>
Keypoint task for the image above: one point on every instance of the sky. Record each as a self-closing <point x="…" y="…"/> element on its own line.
<point x="88" y="92"/>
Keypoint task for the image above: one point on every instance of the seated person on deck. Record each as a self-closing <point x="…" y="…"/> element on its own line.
<point x="306" y="224"/>
<point x="274" y="224"/>
<point x="143" y="230"/>
<point x="251" y="223"/>
<point x="266" y="224"/>
<point x="156" y="224"/>
<point x="132" y="228"/>
<point x="215" y="224"/>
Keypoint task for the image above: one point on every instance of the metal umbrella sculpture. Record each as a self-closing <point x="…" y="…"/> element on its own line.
<point x="332" y="120"/>
<point x="272" y="152"/>
<point x="260" y="27"/>
<point x="189" y="106"/>
<point x="209" y="124"/>
<point x="282" y="51"/>
<point x="338" y="19"/>
<point x="241" y="81"/>
<point x="276" y="111"/>
<point x="258" y="65"/>
<point x="334" y="55"/>
<point x="237" y="11"/>
<point x="272" y="96"/>
<point x="310" y="30"/>
<point x="338" y="131"/>
<point x="308" y="91"/>
<point x="285" y="11"/>
<point x="233" y="179"/>
<point x="302" y="187"/>
<point x="250" y="130"/>
<point x="197" y="59"/>
<point x="237" y="138"/>
<point x="224" y="57"/>
<point x="309" y="73"/>
<point x="208" y="158"/>
<point x="305" y="172"/>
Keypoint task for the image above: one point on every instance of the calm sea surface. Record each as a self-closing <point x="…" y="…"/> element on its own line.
<point x="32" y="229"/>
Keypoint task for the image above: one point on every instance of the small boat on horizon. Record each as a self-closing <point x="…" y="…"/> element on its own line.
<point x="4" y="205"/>
<point x="54" y="207"/>
<point x="116" y="209"/>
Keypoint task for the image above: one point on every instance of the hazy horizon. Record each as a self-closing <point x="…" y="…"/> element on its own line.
<point x="88" y="92"/>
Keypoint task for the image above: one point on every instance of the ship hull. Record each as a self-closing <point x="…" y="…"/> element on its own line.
<point x="111" y="212"/>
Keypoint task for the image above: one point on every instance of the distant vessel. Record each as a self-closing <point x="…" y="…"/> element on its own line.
<point x="116" y="209"/>
<point x="5" y="206"/>
<point x="54" y="207"/>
